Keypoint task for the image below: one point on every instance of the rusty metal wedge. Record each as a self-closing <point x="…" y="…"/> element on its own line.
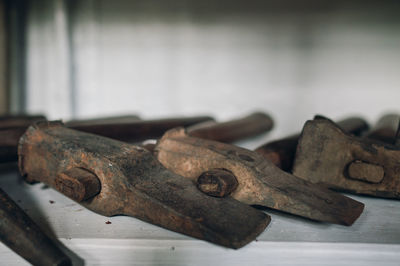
<point x="327" y="155"/>
<point x="110" y="177"/>
<point x="260" y="182"/>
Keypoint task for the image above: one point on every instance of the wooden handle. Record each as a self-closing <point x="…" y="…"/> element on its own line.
<point x="280" y="152"/>
<point x="12" y="121"/>
<point x="8" y="143"/>
<point x="103" y="120"/>
<point x="139" y="130"/>
<point x="353" y="125"/>
<point x="385" y="129"/>
<point x="23" y="236"/>
<point x="234" y="130"/>
<point x="128" y="128"/>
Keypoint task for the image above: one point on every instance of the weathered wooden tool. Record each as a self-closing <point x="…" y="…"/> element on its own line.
<point x="327" y="155"/>
<point x="22" y="235"/>
<point x="385" y="130"/>
<point x="121" y="128"/>
<point x="260" y="182"/>
<point x="111" y="178"/>
<point x="281" y="152"/>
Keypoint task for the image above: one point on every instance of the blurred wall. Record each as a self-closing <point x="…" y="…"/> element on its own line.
<point x="3" y="61"/>
<point x="158" y="58"/>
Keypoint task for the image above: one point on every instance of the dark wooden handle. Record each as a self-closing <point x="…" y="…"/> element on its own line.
<point x="127" y="128"/>
<point x="8" y="143"/>
<point x="139" y="130"/>
<point x="12" y="121"/>
<point x="385" y="129"/>
<point x="104" y="120"/>
<point x="353" y="125"/>
<point x="234" y="130"/>
<point x="280" y="152"/>
<point x="23" y="236"/>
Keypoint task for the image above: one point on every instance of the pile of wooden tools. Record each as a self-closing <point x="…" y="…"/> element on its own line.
<point x="191" y="179"/>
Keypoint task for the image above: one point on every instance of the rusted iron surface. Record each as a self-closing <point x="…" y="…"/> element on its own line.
<point x="217" y="182"/>
<point x="233" y="130"/>
<point x="11" y="121"/>
<point x="133" y="182"/>
<point x="24" y="237"/>
<point x="282" y="152"/>
<point x="327" y="155"/>
<point x="120" y="129"/>
<point x="385" y="130"/>
<point x="260" y="181"/>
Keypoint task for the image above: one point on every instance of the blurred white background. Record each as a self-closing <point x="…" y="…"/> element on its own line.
<point x="225" y="58"/>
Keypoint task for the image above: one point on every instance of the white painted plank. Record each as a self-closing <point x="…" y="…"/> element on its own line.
<point x="191" y="252"/>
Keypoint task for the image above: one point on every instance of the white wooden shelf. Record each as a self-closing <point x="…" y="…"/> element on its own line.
<point x="288" y="240"/>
